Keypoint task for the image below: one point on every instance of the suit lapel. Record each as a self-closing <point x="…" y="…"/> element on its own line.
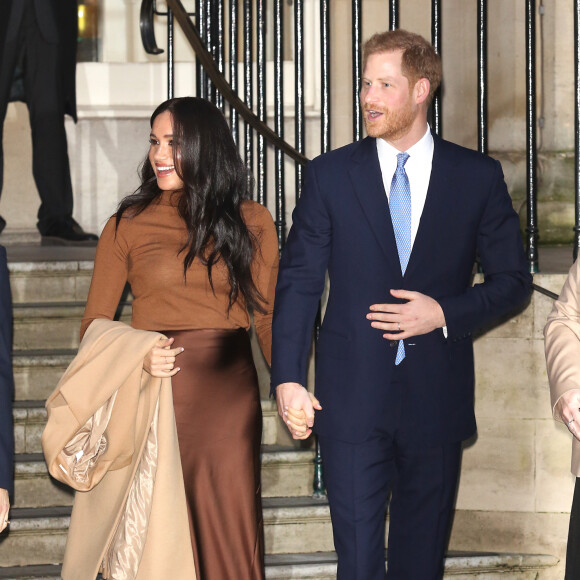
<point x="435" y="204"/>
<point x="367" y="182"/>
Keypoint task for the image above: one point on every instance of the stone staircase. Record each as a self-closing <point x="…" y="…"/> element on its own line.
<point x="48" y="295"/>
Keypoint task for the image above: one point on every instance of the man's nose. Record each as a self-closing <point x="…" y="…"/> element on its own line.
<point x="369" y="93"/>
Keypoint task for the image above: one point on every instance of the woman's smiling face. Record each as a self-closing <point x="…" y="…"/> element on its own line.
<point x="161" y="153"/>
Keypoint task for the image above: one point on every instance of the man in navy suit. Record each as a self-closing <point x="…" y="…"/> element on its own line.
<point x="6" y="388"/>
<point x="394" y="359"/>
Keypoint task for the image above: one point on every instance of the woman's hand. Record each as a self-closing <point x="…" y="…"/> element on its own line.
<point x="568" y="409"/>
<point x="160" y="360"/>
<point x="4" y="509"/>
<point x="297" y="421"/>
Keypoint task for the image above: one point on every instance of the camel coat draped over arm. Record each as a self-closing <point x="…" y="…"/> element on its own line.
<point x="111" y="435"/>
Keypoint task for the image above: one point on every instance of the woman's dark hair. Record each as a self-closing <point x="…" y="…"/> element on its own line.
<point x="215" y="182"/>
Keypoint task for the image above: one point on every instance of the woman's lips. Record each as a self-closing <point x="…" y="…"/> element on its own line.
<point x="164" y="170"/>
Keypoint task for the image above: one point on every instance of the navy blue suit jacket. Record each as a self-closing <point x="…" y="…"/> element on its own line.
<point x="6" y="379"/>
<point x="341" y="225"/>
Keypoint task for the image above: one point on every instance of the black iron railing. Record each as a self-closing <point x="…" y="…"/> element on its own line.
<point x="246" y="98"/>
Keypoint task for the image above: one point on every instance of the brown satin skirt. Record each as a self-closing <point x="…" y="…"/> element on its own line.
<point x="219" y="427"/>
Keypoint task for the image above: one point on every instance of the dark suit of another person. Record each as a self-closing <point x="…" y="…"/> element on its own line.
<point x="38" y="64"/>
<point x="387" y="428"/>
<point x="6" y="389"/>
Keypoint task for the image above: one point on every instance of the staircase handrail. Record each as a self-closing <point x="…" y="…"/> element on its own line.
<point x="210" y="67"/>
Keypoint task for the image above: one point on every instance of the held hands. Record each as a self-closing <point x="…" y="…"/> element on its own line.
<point x="419" y="315"/>
<point x="4" y="509"/>
<point x="296" y="408"/>
<point x="160" y="360"/>
<point x="568" y="409"/>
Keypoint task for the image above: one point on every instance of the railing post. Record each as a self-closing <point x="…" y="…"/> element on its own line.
<point x="261" y="58"/>
<point x="436" y="41"/>
<point x="279" y="120"/>
<point x="170" y="55"/>
<point x="249" y="82"/>
<point x="532" y="228"/>
<point x="482" y="75"/>
<point x="218" y="36"/>
<point x="325" y="72"/>
<point x="318" y="487"/>
<point x="299" y="89"/>
<point x="356" y="69"/>
<point x="393" y="14"/>
<point x="234" y="125"/>
<point x="201" y="76"/>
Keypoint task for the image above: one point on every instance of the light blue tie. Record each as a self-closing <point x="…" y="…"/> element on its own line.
<point x="400" y="206"/>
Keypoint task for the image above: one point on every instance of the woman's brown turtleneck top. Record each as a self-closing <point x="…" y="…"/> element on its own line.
<point x="144" y="251"/>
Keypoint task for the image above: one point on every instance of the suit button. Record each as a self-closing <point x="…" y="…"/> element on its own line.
<point x="393" y="343"/>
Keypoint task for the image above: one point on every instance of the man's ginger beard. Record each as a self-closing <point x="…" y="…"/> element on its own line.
<point x="392" y="125"/>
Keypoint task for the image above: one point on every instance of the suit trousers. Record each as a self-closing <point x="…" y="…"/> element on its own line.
<point x="421" y="480"/>
<point x="43" y="88"/>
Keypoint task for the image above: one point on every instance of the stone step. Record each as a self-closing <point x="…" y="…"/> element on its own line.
<point x="50" y="281"/>
<point x="297" y="524"/>
<point x="322" y="566"/>
<point x="55" y="325"/>
<point x="30" y="419"/>
<point x="459" y="566"/>
<point x="286" y="472"/>
<point x="38" y="535"/>
<point x="37" y="372"/>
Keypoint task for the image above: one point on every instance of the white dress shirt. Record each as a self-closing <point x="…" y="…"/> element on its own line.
<point x="418" y="169"/>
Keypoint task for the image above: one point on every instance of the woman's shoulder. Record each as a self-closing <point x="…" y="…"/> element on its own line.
<point x="255" y="214"/>
<point x="124" y="228"/>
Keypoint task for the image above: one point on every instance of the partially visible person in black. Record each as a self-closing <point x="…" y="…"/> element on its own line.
<point x="37" y="66"/>
<point x="6" y="389"/>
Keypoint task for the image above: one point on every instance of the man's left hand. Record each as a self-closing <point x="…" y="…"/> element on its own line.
<point x="419" y="315"/>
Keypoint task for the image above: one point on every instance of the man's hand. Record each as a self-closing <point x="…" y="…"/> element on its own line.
<point x="4" y="509"/>
<point x="568" y="409"/>
<point x="419" y="315"/>
<point x="160" y="360"/>
<point x="296" y="408"/>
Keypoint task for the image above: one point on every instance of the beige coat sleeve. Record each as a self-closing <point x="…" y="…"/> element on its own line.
<point x="562" y="338"/>
<point x="562" y="346"/>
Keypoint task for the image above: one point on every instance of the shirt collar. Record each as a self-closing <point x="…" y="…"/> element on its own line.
<point x="421" y="149"/>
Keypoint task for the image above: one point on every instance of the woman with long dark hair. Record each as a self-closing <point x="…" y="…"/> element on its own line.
<point x="200" y="258"/>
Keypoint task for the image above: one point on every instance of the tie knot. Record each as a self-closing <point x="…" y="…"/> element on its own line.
<point x="401" y="160"/>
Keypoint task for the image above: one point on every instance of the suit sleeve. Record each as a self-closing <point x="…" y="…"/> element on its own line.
<point x="300" y="284"/>
<point x="507" y="282"/>
<point x="6" y="379"/>
<point x="562" y="339"/>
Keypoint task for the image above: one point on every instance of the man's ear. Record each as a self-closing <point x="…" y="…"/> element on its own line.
<point x="422" y="87"/>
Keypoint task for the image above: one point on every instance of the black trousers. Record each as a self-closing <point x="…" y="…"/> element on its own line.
<point x="573" y="549"/>
<point x="42" y="77"/>
<point x="421" y="479"/>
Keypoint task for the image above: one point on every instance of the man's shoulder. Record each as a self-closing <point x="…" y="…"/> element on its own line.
<point x="342" y="156"/>
<point x="463" y="154"/>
